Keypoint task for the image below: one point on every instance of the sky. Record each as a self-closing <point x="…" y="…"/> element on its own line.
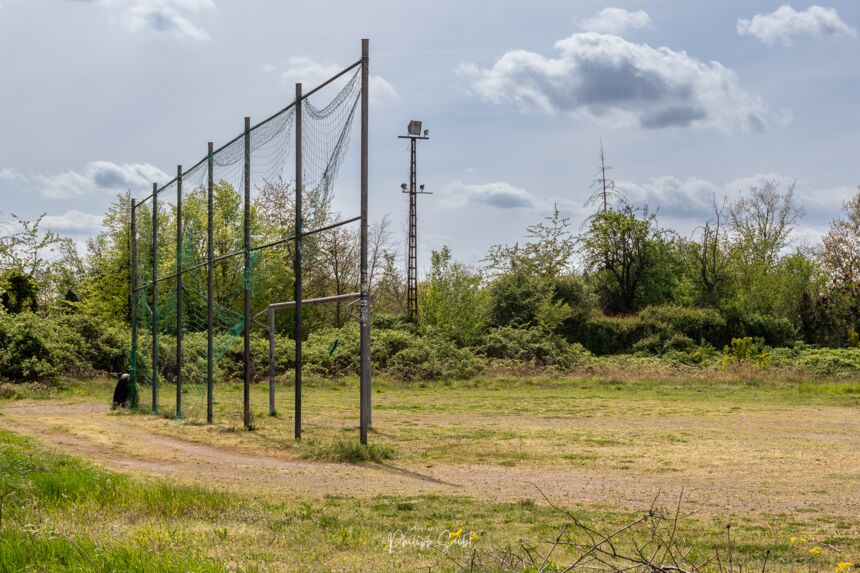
<point x="693" y="101"/>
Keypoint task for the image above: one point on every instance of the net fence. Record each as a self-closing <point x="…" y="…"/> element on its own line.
<point x="252" y="176"/>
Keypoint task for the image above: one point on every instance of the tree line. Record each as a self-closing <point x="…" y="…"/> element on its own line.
<point x="618" y="282"/>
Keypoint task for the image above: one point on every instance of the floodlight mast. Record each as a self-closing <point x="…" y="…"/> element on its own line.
<point x="414" y="134"/>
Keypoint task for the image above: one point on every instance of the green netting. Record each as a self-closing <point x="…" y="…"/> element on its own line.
<point x="182" y="314"/>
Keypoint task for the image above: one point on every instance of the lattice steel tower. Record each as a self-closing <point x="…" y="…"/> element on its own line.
<point x="414" y="134"/>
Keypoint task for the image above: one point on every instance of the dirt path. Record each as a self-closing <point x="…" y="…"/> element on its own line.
<point x="135" y="446"/>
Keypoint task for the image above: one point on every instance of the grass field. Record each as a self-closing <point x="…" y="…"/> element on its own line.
<point x="775" y="459"/>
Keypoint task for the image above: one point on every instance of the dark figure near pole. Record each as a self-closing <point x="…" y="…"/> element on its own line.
<point x="122" y="392"/>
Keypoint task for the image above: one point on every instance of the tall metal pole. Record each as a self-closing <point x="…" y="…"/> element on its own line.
<point x="364" y="300"/>
<point x="247" y="276"/>
<point x="412" y="263"/>
<point x="133" y="310"/>
<point x="413" y="190"/>
<point x="210" y="267"/>
<point x="178" y="292"/>
<point x="155" y="298"/>
<point x="297" y="263"/>
<point x="272" y="411"/>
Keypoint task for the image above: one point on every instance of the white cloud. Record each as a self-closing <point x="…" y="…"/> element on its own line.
<point x="786" y="23"/>
<point x="8" y="174"/>
<point x="685" y="204"/>
<point x="312" y="73"/>
<point x="74" y="221"/>
<point x="619" y="83"/>
<point x="616" y="21"/>
<point x="671" y="195"/>
<point x="101" y="177"/>
<point x="497" y="194"/>
<point x="172" y="17"/>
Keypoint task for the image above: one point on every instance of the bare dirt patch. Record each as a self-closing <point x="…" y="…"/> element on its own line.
<point x="773" y="460"/>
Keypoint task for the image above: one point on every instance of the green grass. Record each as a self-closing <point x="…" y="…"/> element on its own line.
<point x="349" y="451"/>
<point x="66" y="515"/>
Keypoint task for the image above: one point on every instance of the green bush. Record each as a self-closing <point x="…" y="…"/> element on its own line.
<point x="619" y="334"/>
<point x="746" y="350"/>
<point x="106" y="346"/>
<point x="434" y="358"/>
<point x="38" y="348"/>
<point x="400" y="353"/>
<point x="658" y="329"/>
<point x="694" y="323"/>
<point x="514" y="299"/>
<point x="533" y="346"/>
<point x="775" y="331"/>
<point x="821" y="361"/>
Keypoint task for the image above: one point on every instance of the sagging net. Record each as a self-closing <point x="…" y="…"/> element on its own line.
<point x="181" y="248"/>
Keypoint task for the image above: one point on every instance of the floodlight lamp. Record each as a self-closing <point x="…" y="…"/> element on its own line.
<point x="426" y="133"/>
<point x="422" y="187"/>
<point x="415" y="128"/>
<point x="403" y="186"/>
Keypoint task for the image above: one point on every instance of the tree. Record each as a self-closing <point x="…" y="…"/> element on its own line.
<point x="604" y="190"/>
<point x="548" y="252"/>
<point x="105" y="288"/>
<point x="618" y="249"/>
<point x="710" y="258"/>
<point x="762" y="221"/>
<point x="840" y="248"/>
<point x="18" y="292"/>
<point x="453" y="301"/>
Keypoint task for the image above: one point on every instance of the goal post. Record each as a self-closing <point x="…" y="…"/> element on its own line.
<point x="200" y="243"/>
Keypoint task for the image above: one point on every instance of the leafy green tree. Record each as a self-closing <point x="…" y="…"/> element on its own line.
<point x="514" y="299"/>
<point x="547" y="253"/>
<point x="618" y="249"/>
<point x="767" y="280"/>
<point x="105" y="289"/>
<point x="453" y="302"/>
<point x="708" y="259"/>
<point x="19" y="292"/>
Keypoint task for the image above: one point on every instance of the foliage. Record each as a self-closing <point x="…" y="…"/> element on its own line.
<point x="618" y="250"/>
<point x="534" y="346"/>
<point x="37" y="348"/>
<point x="453" y="304"/>
<point x="19" y="292"/>
<point x="514" y="299"/>
<point x="546" y="254"/>
<point x="747" y="350"/>
<point x="840" y="248"/>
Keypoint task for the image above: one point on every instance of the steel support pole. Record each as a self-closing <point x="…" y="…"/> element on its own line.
<point x="272" y="411"/>
<point x="297" y="263"/>
<point x="210" y="268"/>
<point x="247" y="278"/>
<point x="155" y="298"/>
<point x="178" y="292"/>
<point x="364" y="300"/>
<point x="132" y="367"/>
<point x="412" y="263"/>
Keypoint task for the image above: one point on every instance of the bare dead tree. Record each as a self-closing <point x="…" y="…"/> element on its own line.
<point x="603" y="186"/>
<point x="710" y="256"/>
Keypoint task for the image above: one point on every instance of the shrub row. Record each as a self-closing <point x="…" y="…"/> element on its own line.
<point x="661" y="329"/>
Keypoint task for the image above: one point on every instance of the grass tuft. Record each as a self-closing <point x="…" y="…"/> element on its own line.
<point x="350" y="452"/>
